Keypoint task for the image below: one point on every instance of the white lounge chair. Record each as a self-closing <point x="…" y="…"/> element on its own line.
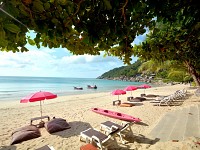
<point x="124" y="128"/>
<point x="170" y="99"/>
<point x="101" y="140"/>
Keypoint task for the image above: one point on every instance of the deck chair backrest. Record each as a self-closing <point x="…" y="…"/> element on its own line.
<point x="113" y="133"/>
<point x="100" y="142"/>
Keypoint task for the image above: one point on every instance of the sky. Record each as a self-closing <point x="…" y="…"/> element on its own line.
<point x="58" y="62"/>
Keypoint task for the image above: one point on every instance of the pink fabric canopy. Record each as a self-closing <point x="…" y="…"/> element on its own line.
<point x="118" y="92"/>
<point x="130" y="88"/>
<point x="38" y="96"/>
<point x="144" y="86"/>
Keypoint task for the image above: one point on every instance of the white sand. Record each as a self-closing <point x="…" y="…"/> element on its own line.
<point x="76" y="110"/>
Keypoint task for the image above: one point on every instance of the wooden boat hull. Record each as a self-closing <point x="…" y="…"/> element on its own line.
<point x="116" y="115"/>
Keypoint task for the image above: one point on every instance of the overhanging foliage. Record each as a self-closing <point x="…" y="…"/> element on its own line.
<point x="85" y="26"/>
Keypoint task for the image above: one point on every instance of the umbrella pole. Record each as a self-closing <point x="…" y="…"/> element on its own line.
<point x="41" y="108"/>
<point x="118" y="97"/>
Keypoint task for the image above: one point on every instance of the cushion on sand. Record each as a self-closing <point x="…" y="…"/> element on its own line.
<point x="137" y="99"/>
<point x="126" y="105"/>
<point x="151" y="95"/>
<point x="56" y="124"/>
<point x="24" y="134"/>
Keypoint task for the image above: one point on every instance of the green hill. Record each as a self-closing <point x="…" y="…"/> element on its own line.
<point x="124" y="71"/>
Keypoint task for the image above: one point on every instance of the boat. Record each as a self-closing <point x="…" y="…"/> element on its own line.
<point x="91" y="87"/>
<point x="78" y="88"/>
<point x="116" y="115"/>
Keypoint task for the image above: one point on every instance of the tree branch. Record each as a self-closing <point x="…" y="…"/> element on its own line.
<point x="123" y="11"/>
<point x="70" y="18"/>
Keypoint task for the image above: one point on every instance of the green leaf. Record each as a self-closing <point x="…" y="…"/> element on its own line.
<point x="107" y="4"/>
<point x="38" y="6"/>
<point x="24" y="49"/>
<point x="62" y="2"/>
<point x="12" y="28"/>
<point x="3" y="43"/>
<point x="46" y="6"/>
<point x="86" y="40"/>
<point x="31" y="42"/>
<point x="2" y="34"/>
<point x="22" y="11"/>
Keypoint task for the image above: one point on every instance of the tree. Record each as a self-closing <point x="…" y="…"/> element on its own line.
<point x="81" y="26"/>
<point x="174" y="41"/>
<point x="171" y="70"/>
<point x="85" y="26"/>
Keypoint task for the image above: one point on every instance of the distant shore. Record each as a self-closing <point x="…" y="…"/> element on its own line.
<point x="15" y="88"/>
<point x="76" y="109"/>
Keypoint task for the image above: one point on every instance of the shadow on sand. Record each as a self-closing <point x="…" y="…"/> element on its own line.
<point x="141" y="123"/>
<point x="141" y="139"/>
<point x="12" y="147"/>
<point x="135" y="103"/>
<point x="76" y="128"/>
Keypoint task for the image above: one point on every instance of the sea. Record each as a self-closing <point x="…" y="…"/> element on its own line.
<point x="16" y="87"/>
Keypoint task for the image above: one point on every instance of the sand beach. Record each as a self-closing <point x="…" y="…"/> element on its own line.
<point x="76" y="109"/>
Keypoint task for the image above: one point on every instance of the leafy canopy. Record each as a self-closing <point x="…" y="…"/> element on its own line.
<point x="177" y="40"/>
<point x="85" y="26"/>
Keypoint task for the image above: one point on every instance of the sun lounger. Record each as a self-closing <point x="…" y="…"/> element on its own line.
<point x="197" y="92"/>
<point x="170" y="99"/>
<point x="150" y="96"/>
<point x="124" y="128"/>
<point x="126" y="104"/>
<point x="101" y="140"/>
<point x="136" y="99"/>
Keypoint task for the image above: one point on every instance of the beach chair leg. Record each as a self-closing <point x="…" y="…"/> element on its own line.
<point x="131" y="131"/>
<point x="121" y="138"/>
<point x="80" y="138"/>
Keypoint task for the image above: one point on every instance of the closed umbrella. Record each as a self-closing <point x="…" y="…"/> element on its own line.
<point x="38" y="96"/>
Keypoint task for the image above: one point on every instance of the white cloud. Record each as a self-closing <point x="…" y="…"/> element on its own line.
<point x="45" y="63"/>
<point x="55" y="63"/>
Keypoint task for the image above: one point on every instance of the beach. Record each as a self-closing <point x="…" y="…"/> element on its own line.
<point x="76" y="109"/>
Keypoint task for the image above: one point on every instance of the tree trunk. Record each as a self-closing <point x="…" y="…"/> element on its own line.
<point x="195" y="75"/>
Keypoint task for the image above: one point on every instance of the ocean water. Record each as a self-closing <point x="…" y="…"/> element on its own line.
<point x="15" y="88"/>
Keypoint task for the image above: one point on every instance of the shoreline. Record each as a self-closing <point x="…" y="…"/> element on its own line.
<point x="71" y="93"/>
<point x="76" y="109"/>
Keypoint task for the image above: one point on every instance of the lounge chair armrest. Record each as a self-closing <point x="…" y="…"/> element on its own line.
<point x="96" y="139"/>
<point x="123" y="123"/>
<point x="96" y="129"/>
<point x="113" y="128"/>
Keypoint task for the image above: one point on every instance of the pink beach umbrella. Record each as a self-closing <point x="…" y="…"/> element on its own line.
<point x="144" y="86"/>
<point x="38" y="96"/>
<point x="118" y="92"/>
<point x="130" y="88"/>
